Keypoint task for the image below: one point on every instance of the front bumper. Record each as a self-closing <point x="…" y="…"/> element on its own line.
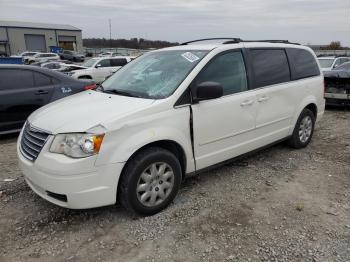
<point x="71" y="183"/>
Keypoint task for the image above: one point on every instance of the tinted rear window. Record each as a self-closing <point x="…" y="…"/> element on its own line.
<point x="118" y="62"/>
<point x="270" y="66"/>
<point x="15" y="79"/>
<point x="303" y="63"/>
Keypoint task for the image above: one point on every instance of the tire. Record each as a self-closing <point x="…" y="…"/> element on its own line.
<point x="303" y="130"/>
<point x="156" y="190"/>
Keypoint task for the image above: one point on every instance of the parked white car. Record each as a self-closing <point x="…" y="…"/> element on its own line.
<point x="328" y="63"/>
<point x="41" y="57"/>
<point x="170" y="113"/>
<point x="99" y="68"/>
<point x="25" y="54"/>
<point x="108" y="54"/>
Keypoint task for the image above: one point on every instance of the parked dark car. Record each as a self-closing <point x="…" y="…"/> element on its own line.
<point x="23" y="89"/>
<point x="72" y="56"/>
<point x="337" y="85"/>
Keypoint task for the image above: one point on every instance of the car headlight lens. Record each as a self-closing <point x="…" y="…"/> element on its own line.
<point x="77" y="145"/>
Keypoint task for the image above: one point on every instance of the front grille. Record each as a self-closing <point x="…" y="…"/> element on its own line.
<point x="32" y="142"/>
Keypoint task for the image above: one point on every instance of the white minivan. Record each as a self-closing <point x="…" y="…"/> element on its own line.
<point x="168" y="114"/>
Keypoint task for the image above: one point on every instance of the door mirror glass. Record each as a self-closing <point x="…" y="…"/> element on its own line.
<point x="207" y="90"/>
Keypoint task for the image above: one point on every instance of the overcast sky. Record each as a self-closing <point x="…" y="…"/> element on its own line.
<point x="304" y="21"/>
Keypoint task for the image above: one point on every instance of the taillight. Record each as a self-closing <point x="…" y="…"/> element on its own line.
<point x="89" y="87"/>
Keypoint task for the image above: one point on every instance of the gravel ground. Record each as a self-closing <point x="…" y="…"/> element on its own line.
<point x="277" y="205"/>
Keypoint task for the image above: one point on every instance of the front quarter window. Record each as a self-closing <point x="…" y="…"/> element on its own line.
<point x="154" y="75"/>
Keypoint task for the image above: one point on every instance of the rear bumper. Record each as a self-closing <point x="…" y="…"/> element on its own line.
<point x="337" y="99"/>
<point x="58" y="183"/>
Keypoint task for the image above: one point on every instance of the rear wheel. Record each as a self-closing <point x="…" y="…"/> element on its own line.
<point x="303" y="129"/>
<point x="150" y="181"/>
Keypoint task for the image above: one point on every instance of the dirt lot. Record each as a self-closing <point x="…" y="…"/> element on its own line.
<point x="279" y="204"/>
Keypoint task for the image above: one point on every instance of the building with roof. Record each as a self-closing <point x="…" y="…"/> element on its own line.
<point x="16" y="37"/>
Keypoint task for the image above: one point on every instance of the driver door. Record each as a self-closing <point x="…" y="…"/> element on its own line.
<point x="102" y="70"/>
<point x="224" y="128"/>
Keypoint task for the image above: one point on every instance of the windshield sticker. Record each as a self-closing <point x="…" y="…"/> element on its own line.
<point x="190" y="57"/>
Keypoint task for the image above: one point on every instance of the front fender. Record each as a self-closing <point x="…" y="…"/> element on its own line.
<point x="119" y="145"/>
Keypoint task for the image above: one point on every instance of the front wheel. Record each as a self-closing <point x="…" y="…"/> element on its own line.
<point x="303" y="130"/>
<point x="150" y="181"/>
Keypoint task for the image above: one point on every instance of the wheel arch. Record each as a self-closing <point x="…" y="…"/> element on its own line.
<point x="313" y="108"/>
<point x="310" y="103"/>
<point x="85" y="77"/>
<point x="169" y="145"/>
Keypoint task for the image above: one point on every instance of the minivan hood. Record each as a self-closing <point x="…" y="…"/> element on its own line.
<point x="80" y="112"/>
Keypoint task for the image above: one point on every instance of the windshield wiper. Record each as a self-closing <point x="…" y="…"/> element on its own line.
<point x="99" y="87"/>
<point x="119" y="92"/>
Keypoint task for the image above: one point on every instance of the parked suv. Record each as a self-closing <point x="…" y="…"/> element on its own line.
<point x="23" y="89"/>
<point x="72" y="56"/>
<point x="41" y="57"/>
<point x="99" y="68"/>
<point x="168" y="114"/>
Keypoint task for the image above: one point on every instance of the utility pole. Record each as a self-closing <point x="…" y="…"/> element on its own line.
<point x="110" y="33"/>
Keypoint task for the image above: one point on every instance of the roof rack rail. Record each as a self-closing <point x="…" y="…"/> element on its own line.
<point x="231" y="40"/>
<point x="272" y="41"/>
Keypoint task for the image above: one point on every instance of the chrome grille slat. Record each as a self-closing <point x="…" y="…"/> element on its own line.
<point x="29" y="151"/>
<point x="37" y="136"/>
<point x="32" y="142"/>
<point x="31" y="146"/>
<point x="25" y="154"/>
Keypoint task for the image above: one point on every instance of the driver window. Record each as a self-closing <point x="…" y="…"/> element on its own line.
<point x="227" y="69"/>
<point x="104" y="63"/>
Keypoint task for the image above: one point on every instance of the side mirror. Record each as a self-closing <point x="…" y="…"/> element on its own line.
<point x="98" y="65"/>
<point x="206" y="91"/>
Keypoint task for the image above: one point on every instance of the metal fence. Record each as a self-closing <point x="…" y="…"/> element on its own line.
<point x="332" y="52"/>
<point x="120" y="51"/>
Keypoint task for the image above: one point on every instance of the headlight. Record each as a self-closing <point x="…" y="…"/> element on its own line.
<point x="77" y="145"/>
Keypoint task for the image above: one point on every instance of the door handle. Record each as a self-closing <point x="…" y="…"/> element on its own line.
<point x="247" y="102"/>
<point x="42" y="92"/>
<point x="263" y="98"/>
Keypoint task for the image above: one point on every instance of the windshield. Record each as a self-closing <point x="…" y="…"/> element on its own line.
<point x="90" y="62"/>
<point x="326" y="63"/>
<point x="154" y="75"/>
